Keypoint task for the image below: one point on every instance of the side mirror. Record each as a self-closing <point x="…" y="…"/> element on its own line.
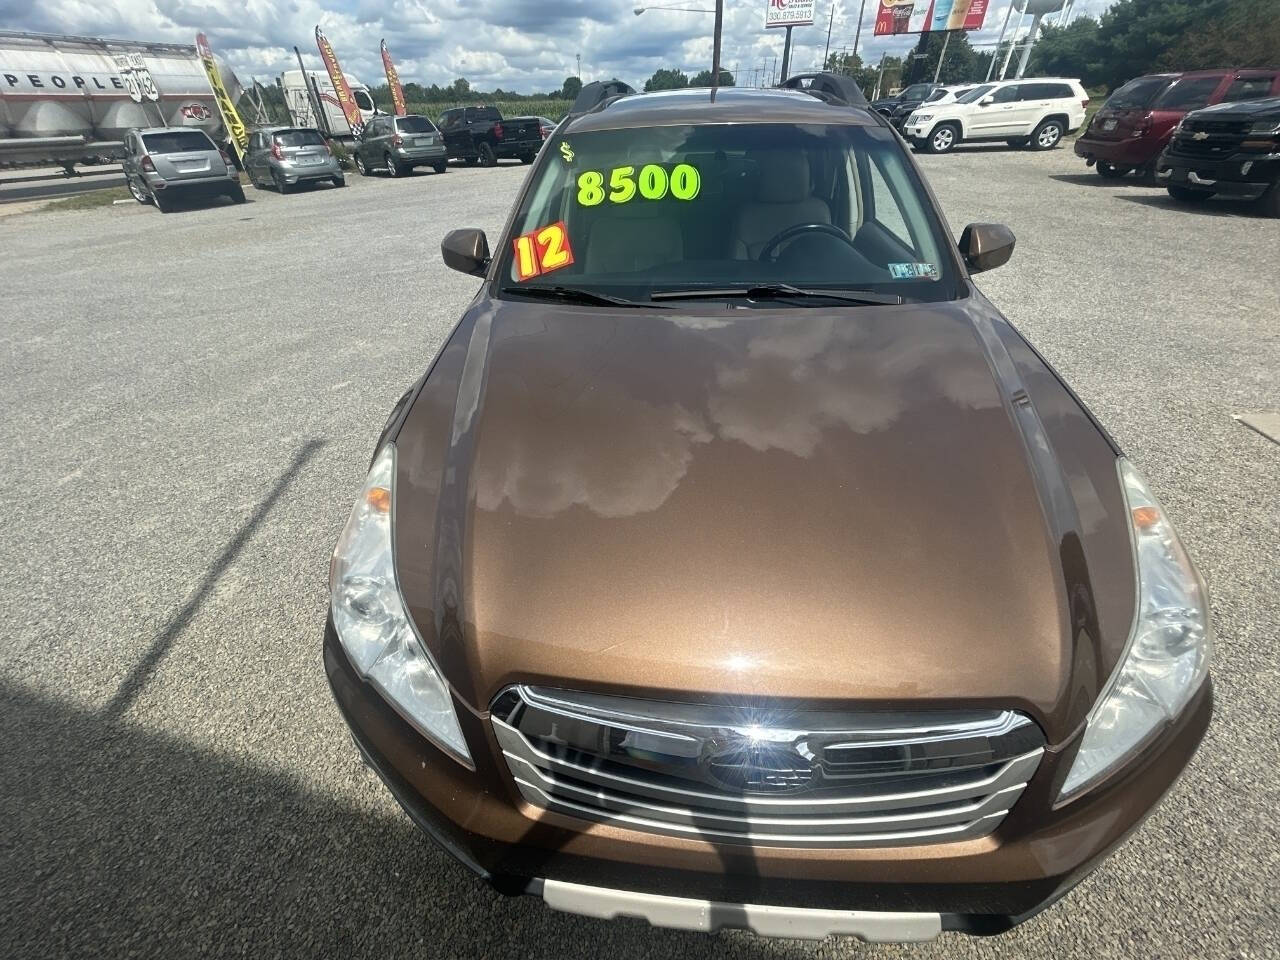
<point x="986" y="101"/>
<point x="986" y="246"/>
<point x="466" y="250"/>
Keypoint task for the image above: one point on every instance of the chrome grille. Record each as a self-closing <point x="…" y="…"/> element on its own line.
<point x="757" y="776"/>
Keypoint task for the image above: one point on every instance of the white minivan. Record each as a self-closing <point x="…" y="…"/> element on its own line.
<point x="1036" y="112"/>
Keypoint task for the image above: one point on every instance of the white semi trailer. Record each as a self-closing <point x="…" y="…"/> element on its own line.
<point x="69" y="100"/>
<point x="302" y="92"/>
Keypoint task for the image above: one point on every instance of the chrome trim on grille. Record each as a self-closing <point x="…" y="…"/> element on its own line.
<point x="822" y="779"/>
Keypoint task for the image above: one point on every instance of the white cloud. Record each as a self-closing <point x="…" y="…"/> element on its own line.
<point x="524" y="45"/>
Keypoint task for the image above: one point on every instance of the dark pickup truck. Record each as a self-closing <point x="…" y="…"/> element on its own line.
<point x="488" y="137"/>
<point x="1230" y="149"/>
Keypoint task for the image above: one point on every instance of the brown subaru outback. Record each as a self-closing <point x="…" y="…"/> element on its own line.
<point x="736" y="563"/>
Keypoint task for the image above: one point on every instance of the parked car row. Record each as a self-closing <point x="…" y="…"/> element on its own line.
<point x="1035" y="112"/>
<point x="164" y="164"/>
<point x="1197" y="134"/>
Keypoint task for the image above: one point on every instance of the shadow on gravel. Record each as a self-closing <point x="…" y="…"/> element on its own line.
<point x="126" y="842"/>
<point x="133" y="684"/>
<point x="1207" y="208"/>
<point x="1093" y="180"/>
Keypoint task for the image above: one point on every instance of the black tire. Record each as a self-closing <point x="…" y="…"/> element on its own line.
<point x="281" y="187"/>
<point x="1270" y="201"/>
<point x="392" y="167"/>
<point x="138" y="193"/>
<point x="1017" y="142"/>
<point x="943" y="138"/>
<point x="1048" y="135"/>
<point x="1110" y="171"/>
<point x="440" y="167"/>
<point x="1188" y="194"/>
<point x="360" y="167"/>
<point x="253" y="182"/>
<point x="339" y="181"/>
<point x="236" y="193"/>
<point x="487" y="157"/>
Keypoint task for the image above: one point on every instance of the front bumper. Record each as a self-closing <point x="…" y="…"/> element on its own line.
<point x="1246" y="175"/>
<point x="1129" y="152"/>
<point x="980" y="886"/>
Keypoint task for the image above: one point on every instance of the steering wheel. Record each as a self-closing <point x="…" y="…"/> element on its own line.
<point x="783" y="236"/>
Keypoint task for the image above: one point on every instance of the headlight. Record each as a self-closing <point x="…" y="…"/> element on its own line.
<point x="1167" y="657"/>
<point x="921" y="117"/>
<point x="370" y="617"/>
<point x="1264" y="127"/>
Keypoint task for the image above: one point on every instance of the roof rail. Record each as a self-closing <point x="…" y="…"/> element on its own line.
<point x="831" y="87"/>
<point x="598" y="92"/>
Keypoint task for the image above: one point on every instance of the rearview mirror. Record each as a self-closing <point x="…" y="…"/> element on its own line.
<point x="466" y="250"/>
<point x="986" y="101"/>
<point x="986" y="246"/>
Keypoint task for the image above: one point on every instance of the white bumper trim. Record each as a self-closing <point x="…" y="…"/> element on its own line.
<point x="707" y="916"/>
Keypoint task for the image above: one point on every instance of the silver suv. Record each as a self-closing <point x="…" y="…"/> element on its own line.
<point x="395" y="145"/>
<point x="288" y="156"/>
<point x="165" y="164"/>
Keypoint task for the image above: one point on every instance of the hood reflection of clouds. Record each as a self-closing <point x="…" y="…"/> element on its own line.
<point x="789" y="384"/>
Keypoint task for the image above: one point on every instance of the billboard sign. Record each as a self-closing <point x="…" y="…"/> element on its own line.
<point x="929" y="16"/>
<point x="789" y="13"/>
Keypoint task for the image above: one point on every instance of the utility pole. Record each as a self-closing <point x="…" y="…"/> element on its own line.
<point x="857" y="34"/>
<point x="942" y="56"/>
<point x="786" y="56"/>
<point x="578" y="56"/>
<point x="826" y="51"/>
<point x="715" y="49"/>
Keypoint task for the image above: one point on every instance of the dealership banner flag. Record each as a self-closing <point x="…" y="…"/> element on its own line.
<point x="230" y="117"/>
<point x="345" y="100"/>
<point x="929" y="16"/>
<point x="393" y="81"/>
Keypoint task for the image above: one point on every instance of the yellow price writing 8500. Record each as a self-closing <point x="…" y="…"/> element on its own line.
<point x="652" y="183"/>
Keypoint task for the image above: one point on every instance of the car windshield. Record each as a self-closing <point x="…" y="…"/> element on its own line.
<point x="636" y="212"/>
<point x="299" y="138"/>
<point x="977" y="93"/>
<point x="415" y="125"/>
<point x="177" y="141"/>
<point x="1137" y="94"/>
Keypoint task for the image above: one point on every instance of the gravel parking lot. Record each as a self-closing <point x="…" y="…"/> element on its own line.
<point x="191" y="401"/>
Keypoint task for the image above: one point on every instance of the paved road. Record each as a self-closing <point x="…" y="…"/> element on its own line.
<point x="190" y="403"/>
<point x="47" y="183"/>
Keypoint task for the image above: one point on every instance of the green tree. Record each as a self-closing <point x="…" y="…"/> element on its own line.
<point x="460" y="88"/>
<point x="703" y="79"/>
<point x="959" y="66"/>
<point x="571" y="88"/>
<point x="851" y="65"/>
<point x="1072" y="51"/>
<point x="666" y="80"/>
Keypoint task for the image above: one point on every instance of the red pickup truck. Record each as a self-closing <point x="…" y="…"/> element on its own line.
<point x="1137" y="121"/>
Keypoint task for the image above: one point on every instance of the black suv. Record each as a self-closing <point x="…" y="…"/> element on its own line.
<point x="1231" y="149"/>
<point x="897" y="108"/>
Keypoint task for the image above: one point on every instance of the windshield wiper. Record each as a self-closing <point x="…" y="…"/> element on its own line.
<point x="573" y="295"/>
<point x="778" y="291"/>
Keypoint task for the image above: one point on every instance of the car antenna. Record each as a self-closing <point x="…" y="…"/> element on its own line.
<point x="715" y="49"/>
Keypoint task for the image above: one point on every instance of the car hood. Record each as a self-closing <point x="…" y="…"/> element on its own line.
<point x="829" y="505"/>
<point x="1265" y="109"/>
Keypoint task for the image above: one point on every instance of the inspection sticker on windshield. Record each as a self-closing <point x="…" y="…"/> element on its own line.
<point x="913" y="271"/>
<point x="542" y="250"/>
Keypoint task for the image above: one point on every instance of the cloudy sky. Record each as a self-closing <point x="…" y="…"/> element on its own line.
<point x="522" y="45"/>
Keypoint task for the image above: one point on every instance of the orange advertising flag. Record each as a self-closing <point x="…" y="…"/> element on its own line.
<point x="393" y="81"/>
<point x="341" y="89"/>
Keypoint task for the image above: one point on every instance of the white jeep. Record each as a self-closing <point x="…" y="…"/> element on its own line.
<point x="1036" y="112"/>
